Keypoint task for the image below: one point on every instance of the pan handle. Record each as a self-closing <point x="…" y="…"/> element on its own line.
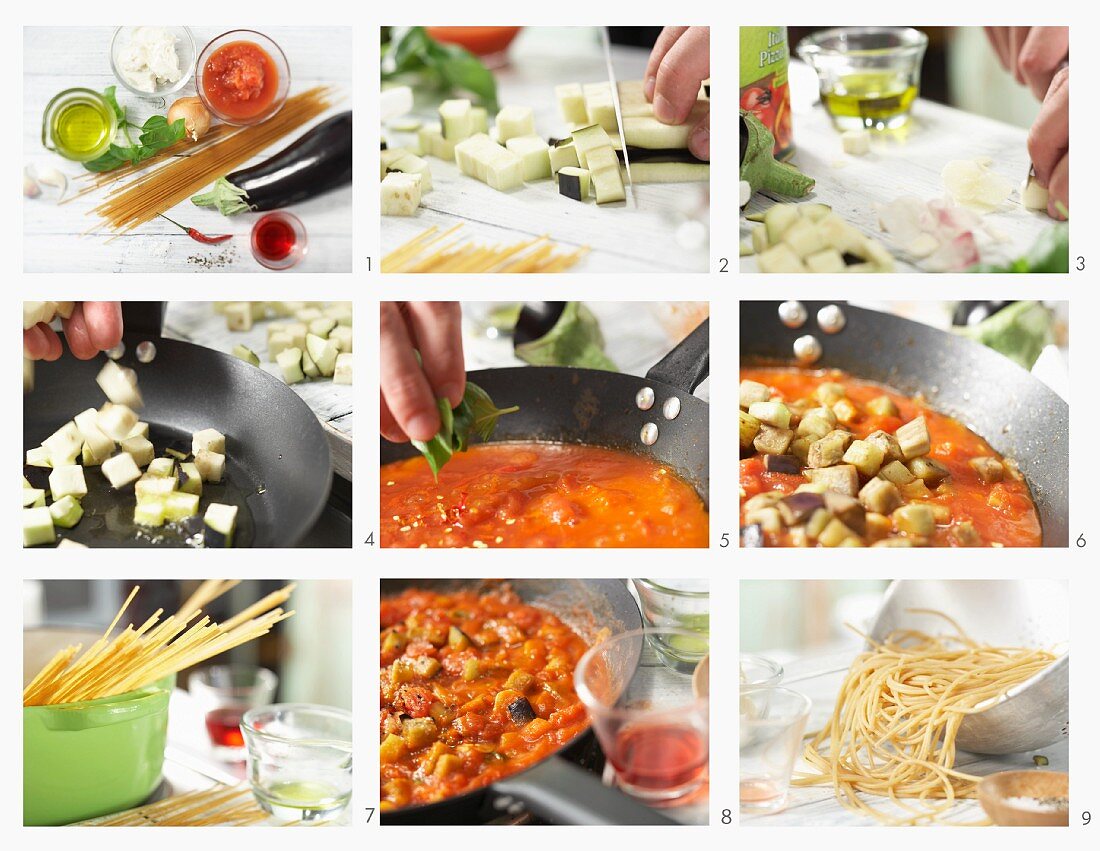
<point x="560" y="792"/>
<point x="688" y="364"/>
<point x="143" y="317"/>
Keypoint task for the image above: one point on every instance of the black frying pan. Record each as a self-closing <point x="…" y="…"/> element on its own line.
<point x="277" y="462"/>
<point x="1016" y="413"/>
<point x="553" y="788"/>
<point x="572" y="405"/>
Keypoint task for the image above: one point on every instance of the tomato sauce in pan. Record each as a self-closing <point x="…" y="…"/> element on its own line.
<point x="540" y="495"/>
<point x="473" y="688"/>
<point x="1002" y="513"/>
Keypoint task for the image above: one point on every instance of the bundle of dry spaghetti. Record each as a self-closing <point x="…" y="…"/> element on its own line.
<point x="220" y="806"/>
<point x="158" y="190"/>
<point x="139" y="656"/>
<point x="893" y="728"/>
<point x="429" y="253"/>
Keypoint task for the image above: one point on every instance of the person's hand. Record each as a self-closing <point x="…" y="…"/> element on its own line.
<point x="1032" y="55"/>
<point x="93" y="327"/>
<point x="410" y="390"/>
<point x="1048" y="144"/>
<point x="679" y="63"/>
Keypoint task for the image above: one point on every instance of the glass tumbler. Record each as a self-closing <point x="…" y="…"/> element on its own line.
<point x="653" y="729"/>
<point x="299" y="759"/>
<point x="681" y="606"/>
<point x="225" y="693"/>
<point x="772" y="720"/>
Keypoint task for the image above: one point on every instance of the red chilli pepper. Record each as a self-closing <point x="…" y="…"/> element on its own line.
<point x="199" y="236"/>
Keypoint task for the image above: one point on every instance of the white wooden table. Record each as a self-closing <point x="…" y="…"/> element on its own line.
<point x="58" y="58"/>
<point x="937" y="134"/>
<point x="196" y="322"/>
<point x="622" y="238"/>
<point x="817" y="806"/>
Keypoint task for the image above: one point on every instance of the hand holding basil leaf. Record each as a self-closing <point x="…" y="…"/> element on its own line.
<point x="475" y="414"/>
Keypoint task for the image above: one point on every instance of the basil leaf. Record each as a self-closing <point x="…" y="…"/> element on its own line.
<point x="109" y="96"/>
<point x="475" y="414"/>
<point x="483" y="412"/>
<point x="448" y="66"/>
<point x="575" y="340"/>
<point x="439" y="449"/>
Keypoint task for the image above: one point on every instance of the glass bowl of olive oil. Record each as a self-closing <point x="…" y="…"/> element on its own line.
<point x="868" y="76"/>
<point x="79" y="124"/>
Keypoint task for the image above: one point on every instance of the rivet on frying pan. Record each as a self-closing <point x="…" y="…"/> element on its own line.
<point x="831" y="319"/>
<point x="649" y="434"/>
<point x="146" y="351"/>
<point x="807" y="349"/>
<point x="792" y="314"/>
<point x="645" y="398"/>
<point x="671" y="408"/>
<point x="117" y="352"/>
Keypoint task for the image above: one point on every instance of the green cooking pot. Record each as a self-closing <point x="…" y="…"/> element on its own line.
<point x="95" y="757"/>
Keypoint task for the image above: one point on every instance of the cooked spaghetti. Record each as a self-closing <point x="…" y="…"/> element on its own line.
<point x="158" y="190"/>
<point x="140" y="656"/>
<point x="892" y="732"/>
<point x="425" y="253"/>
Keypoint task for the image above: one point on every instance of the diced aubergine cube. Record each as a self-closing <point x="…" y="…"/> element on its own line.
<point x="834" y="534"/>
<point x="787" y="464"/>
<point x="38" y="457"/>
<point x="323" y="352"/>
<point x="238" y="316"/>
<point x="575" y="183"/>
<point x="752" y="392"/>
<point x="563" y="155"/>
<point x="177" y="506"/>
<point x="772" y="441"/>
<point x="162" y="467"/>
<point x="68" y="481"/>
<point x="845" y="410"/>
<point x="99" y="445"/>
<point x="842" y="478"/>
<point x="309" y="367"/>
<point x="482" y="158"/>
<point x="400" y="195"/>
<point x="797" y="508"/>
<point x="37" y="527"/>
<point x="66" y="512"/>
<point x="771" y="413"/>
<point x="64" y="445"/>
<point x="290" y="363"/>
<point x="279" y="342"/>
<point x="409" y="164"/>
<point x="607" y="179"/>
<point x="34" y="497"/>
<point x="343" y="336"/>
<point x="913" y="439"/>
<point x="586" y="139"/>
<point x="847" y="509"/>
<point x="322" y="327"/>
<point x="963" y="534"/>
<point x="189" y="479"/>
<point x="599" y="106"/>
<point x="929" y="470"/>
<point x="153" y="487"/>
<point x="914" y="519"/>
<point x="208" y="438"/>
<point x="571" y="106"/>
<point x="342" y="373"/>
<point x="865" y="457"/>
<point x="139" y="430"/>
<point x="119" y="385"/>
<point x="513" y="122"/>
<point x="828" y="450"/>
<point x="219" y="523"/>
<point x="880" y="496"/>
<point x="534" y="153"/>
<point x="479" y="119"/>
<point x="883" y="406"/>
<point x="149" y="513"/>
<point x="211" y="465"/>
<point x="989" y="470"/>
<point x="814" y="426"/>
<point x="120" y="470"/>
<point x="456" y="119"/>
<point x="140" y="448"/>
<point x="246" y="354"/>
<point x="749" y="427"/>
<point x="116" y="421"/>
<point x="178" y="454"/>
<point x="897" y="473"/>
<point x="780" y="259"/>
<point x="887" y="443"/>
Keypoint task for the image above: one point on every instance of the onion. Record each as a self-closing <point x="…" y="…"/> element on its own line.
<point x="196" y="119"/>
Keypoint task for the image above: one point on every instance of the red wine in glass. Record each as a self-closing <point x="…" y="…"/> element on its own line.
<point x="224" y="726"/>
<point x="660" y="758"/>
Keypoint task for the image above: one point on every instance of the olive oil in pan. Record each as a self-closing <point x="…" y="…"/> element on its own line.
<point x="108" y="519"/>
<point x="875" y="100"/>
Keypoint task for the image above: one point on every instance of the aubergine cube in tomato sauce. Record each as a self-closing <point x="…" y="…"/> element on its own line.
<point x="930" y="459"/>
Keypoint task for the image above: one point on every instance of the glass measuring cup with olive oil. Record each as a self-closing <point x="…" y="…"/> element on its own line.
<point x="869" y="77"/>
<point x="79" y="124"/>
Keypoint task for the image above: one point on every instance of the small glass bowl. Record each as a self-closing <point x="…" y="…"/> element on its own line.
<point x="299" y="759"/>
<point x="277" y="56"/>
<point x="185" y="50"/>
<point x="297" y="252"/>
<point x="759" y="671"/>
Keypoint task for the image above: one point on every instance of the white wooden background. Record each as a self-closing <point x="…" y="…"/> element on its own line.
<point x="817" y="805"/>
<point x="937" y="134"/>
<point x="57" y="58"/>
<point x="622" y="238"/>
<point x="196" y="322"/>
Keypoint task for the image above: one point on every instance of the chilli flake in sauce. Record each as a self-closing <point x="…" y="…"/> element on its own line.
<point x="473" y="688"/>
<point x="887" y="469"/>
<point x="540" y="495"/>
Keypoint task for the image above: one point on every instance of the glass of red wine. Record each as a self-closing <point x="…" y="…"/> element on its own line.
<point x="653" y="728"/>
<point x="225" y="693"/>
